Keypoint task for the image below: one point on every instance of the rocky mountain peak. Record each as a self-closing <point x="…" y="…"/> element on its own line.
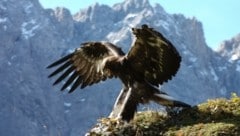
<point x="159" y="8"/>
<point x="131" y="6"/>
<point x="230" y="49"/>
<point x="91" y="14"/>
<point x="62" y="14"/>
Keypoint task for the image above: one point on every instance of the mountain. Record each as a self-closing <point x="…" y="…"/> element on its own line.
<point x="230" y="51"/>
<point x="32" y="37"/>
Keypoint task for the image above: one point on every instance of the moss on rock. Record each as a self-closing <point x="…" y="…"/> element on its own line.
<point x="218" y="117"/>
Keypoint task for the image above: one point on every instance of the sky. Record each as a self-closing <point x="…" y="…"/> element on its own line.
<point x="220" y="18"/>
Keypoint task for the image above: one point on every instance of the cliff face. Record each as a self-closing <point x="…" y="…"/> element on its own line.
<point x="33" y="37"/>
<point x="28" y="37"/>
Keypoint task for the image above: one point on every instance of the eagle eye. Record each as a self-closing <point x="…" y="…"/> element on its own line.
<point x="144" y="26"/>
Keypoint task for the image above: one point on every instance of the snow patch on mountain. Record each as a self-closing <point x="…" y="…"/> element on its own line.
<point x="213" y="73"/>
<point x="238" y="66"/>
<point x="2" y="7"/>
<point x="28" y="7"/>
<point x="67" y="104"/>
<point x="28" y="28"/>
<point x="193" y="59"/>
<point x="235" y="56"/>
<point x="222" y="68"/>
<point x="119" y="35"/>
<point x="3" y="20"/>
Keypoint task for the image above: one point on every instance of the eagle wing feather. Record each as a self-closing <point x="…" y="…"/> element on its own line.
<point x="153" y="56"/>
<point x="85" y="66"/>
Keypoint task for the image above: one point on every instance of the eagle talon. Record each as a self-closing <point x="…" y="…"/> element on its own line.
<point x="112" y="121"/>
<point x="115" y="120"/>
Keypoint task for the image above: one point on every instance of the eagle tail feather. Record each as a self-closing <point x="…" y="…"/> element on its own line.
<point x="167" y="100"/>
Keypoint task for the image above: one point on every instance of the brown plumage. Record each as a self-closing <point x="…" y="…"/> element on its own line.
<point x="151" y="61"/>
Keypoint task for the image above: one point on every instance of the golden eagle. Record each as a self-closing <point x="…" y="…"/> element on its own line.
<point x="151" y="61"/>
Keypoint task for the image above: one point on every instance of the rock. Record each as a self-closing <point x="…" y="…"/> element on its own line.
<point x="215" y="117"/>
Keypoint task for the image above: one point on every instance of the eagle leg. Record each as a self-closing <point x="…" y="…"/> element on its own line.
<point x="118" y="103"/>
<point x="125" y="105"/>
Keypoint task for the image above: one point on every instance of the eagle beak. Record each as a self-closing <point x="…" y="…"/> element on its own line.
<point x="134" y="30"/>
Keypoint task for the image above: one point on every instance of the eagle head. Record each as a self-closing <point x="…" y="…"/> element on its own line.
<point x="145" y="31"/>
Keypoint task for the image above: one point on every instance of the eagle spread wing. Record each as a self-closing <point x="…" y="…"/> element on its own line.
<point x="153" y="56"/>
<point x="85" y="65"/>
<point x="151" y="61"/>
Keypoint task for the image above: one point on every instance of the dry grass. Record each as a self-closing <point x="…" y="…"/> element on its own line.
<point x="218" y="117"/>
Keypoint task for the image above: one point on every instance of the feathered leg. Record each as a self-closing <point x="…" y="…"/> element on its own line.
<point x="125" y="106"/>
<point x="119" y="103"/>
